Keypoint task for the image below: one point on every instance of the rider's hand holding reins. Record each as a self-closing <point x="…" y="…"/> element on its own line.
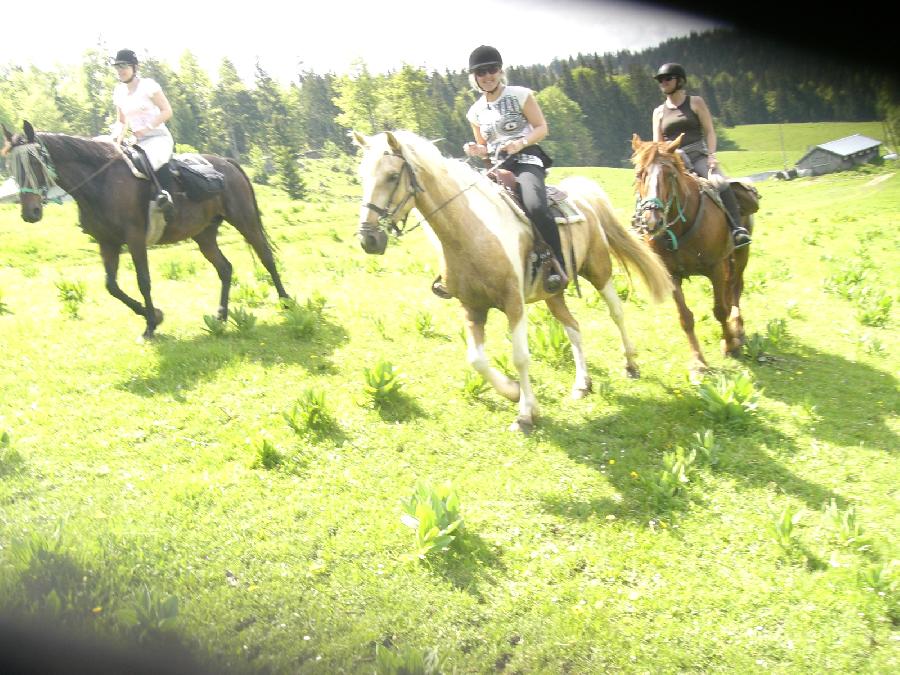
<point x="475" y="149"/>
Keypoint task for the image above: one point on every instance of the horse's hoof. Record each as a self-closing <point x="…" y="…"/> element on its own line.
<point x="579" y="393"/>
<point x="633" y="372"/>
<point x="523" y="425"/>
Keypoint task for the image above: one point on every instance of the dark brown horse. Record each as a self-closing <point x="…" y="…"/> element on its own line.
<point x="682" y="222"/>
<point x="113" y="208"/>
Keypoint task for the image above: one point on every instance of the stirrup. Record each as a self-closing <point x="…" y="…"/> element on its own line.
<point x="166" y="205"/>
<point x="741" y="237"/>
<point x="438" y="288"/>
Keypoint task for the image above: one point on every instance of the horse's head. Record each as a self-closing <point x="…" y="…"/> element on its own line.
<point x="658" y="169"/>
<point x="31" y="168"/>
<point x="389" y="189"/>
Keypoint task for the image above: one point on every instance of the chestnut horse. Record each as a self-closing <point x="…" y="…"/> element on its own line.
<point x="486" y="249"/>
<point x="113" y="208"/>
<point x="682" y="223"/>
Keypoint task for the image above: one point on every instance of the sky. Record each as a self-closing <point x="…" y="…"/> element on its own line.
<point x="333" y="35"/>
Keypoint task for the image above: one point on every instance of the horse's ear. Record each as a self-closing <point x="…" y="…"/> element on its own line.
<point x="671" y="147"/>
<point x="29" y="131"/>
<point x="393" y="143"/>
<point x="358" y="139"/>
<point x="635" y="141"/>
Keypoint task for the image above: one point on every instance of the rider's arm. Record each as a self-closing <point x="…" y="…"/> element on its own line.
<point x="479" y="147"/>
<point x="165" y="110"/>
<point x="657" y="124"/>
<point x="698" y="105"/>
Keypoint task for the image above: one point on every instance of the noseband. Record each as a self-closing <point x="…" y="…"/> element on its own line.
<point x="656" y="204"/>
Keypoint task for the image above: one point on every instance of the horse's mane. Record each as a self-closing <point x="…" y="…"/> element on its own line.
<point x="422" y="153"/>
<point x="63" y="147"/>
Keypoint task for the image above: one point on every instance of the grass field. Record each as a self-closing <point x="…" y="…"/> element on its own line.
<point x="239" y="498"/>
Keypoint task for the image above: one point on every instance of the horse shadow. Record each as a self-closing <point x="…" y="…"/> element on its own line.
<point x="743" y="458"/>
<point x="847" y="401"/>
<point x="183" y="364"/>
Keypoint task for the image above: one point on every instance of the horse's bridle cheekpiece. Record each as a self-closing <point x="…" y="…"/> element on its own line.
<point x="385" y="213"/>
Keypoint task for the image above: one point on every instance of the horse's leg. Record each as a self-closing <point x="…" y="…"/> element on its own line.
<point x="138" y="249"/>
<point x="559" y="309"/>
<point x="518" y="328"/>
<point x="722" y="278"/>
<point x="209" y="247"/>
<point x="698" y="363"/>
<point x="740" y="257"/>
<point x="617" y="312"/>
<point x="110" y="254"/>
<point x="475" y="352"/>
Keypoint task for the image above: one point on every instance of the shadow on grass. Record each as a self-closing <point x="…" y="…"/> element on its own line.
<point x="468" y="564"/>
<point x="849" y="402"/>
<point x="634" y="440"/>
<point x="185" y="363"/>
<point x="400" y="407"/>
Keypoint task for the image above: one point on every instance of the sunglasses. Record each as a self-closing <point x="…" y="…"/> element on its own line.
<point x="122" y="66"/>
<point x="486" y="70"/>
<point x="665" y="78"/>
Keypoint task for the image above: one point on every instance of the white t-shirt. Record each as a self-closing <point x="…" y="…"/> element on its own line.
<point x="502" y="120"/>
<point x="138" y="106"/>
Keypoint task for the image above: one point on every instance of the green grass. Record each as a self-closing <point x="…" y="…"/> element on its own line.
<point x="156" y="492"/>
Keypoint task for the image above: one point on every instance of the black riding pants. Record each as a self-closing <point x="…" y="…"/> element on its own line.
<point x="533" y="191"/>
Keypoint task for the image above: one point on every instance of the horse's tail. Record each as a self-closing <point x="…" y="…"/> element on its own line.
<point x="627" y="246"/>
<point x="262" y="228"/>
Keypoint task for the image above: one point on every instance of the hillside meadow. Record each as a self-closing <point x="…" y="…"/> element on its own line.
<point x="239" y="498"/>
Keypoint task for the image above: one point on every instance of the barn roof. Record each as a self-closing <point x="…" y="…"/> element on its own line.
<point x="850" y="145"/>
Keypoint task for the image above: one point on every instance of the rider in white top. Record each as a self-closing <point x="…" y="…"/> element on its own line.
<point x="142" y="108"/>
<point x="507" y="120"/>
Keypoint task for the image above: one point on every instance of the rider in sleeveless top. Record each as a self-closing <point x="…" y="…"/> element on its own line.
<point x="142" y="108"/>
<point x="690" y="115"/>
<point x="507" y="121"/>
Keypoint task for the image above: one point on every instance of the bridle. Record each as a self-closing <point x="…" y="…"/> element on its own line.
<point x="387" y="217"/>
<point x="37" y="150"/>
<point x="656" y="204"/>
<point x="19" y="156"/>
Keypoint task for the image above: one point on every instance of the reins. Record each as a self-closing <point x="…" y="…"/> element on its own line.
<point x="46" y="162"/>
<point x="383" y="212"/>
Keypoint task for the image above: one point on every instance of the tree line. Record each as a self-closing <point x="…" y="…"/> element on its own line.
<point x="593" y="103"/>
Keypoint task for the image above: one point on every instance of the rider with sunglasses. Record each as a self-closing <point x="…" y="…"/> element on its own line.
<point x="508" y="122"/>
<point x="681" y="113"/>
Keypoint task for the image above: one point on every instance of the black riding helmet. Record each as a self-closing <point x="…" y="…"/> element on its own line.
<point x="125" y="56"/>
<point x="673" y="69"/>
<point x="484" y="56"/>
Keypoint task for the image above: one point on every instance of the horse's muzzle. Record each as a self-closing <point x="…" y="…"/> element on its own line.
<point x="373" y="241"/>
<point x="32" y="213"/>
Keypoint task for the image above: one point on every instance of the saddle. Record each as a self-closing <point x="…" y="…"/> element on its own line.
<point x="542" y="260"/>
<point x="192" y="174"/>
<point x="563" y="210"/>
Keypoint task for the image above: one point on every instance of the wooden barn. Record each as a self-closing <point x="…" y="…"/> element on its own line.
<point x="839" y="155"/>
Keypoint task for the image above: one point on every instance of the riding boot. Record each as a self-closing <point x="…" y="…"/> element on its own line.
<point x="738" y="231"/>
<point x="554" y="273"/>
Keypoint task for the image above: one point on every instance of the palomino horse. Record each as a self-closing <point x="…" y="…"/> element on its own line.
<point x="486" y="246"/>
<point x="113" y="208"/>
<point x="690" y="233"/>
